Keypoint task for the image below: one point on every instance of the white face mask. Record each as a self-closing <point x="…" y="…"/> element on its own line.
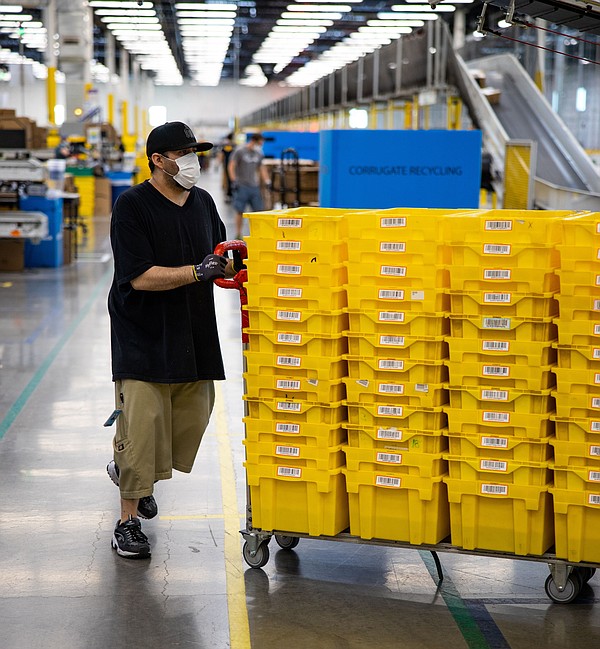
<point x="189" y="170"/>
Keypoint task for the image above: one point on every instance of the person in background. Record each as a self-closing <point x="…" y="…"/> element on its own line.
<point x="164" y="339"/>
<point x="63" y="150"/>
<point x="226" y="149"/>
<point x="246" y="171"/>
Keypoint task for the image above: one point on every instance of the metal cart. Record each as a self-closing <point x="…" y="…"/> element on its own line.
<point x="289" y="160"/>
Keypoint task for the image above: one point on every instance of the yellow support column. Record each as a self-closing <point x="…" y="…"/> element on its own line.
<point x="454" y="110"/>
<point x="408" y="114"/>
<point x="110" y="100"/>
<point x="53" y="139"/>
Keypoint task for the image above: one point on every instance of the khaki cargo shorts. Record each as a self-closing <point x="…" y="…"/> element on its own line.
<point x="159" y="429"/>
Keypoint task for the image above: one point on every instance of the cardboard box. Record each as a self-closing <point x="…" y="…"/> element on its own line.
<point x="19" y="123"/>
<point x="68" y="240"/>
<point x="492" y="94"/>
<point x="12" y="254"/>
<point x="7" y="112"/>
<point x="102" y="197"/>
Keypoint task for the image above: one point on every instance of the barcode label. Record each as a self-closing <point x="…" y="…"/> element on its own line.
<point x="289" y="223"/>
<point x="495" y="442"/>
<point x="498" y="225"/>
<point x="392" y="341"/>
<point x="597" y="330"/>
<point x="421" y="387"/>
<point x="391" y="316"/>
<point x="492" y="465"/>
<point x="289" y="245"/>
<point x="289" y="292"/>
<point x="294" y="339"/>
<point x="495" y="370"/>
<point x="389" y="458"/>
<point x="390" y="411"/>
<point x="596" y="352"/>
<point x="288" y="269"/>
<point x="595" y="450"/>
<point x="289" y="315"/>
<point x="389" y="433"/>
<point x="391" y="246"/>
<point x="594" y="499"/>
<point x="398" y="222"/>
<point x="597" y="280"/>
<point x="496" y="274"/>
<point x="495" y="249"/>
<point x="595" y="426"/>
<point x="394" y="271"/>
<point x="289" y="361"/>
<point x="494" y="395"/>
<point x="387" y="481"/>
<point x="289" y="406"/>
<point x="596" y="378"/>
<point x="494" y="489"/>
<point x="285" y="384"/>
<point x="391" y="388"/>
<point x="596" y="305"/>
<point x="596" y="402"/>
<point x="502" y="298"/>
<point x="390" y="364"/>
<point x="293" y="451"/>
<point x="496" y="417"/>
<point x="385" y="294"/>
<point x="289" y="472"/>
<point x="495" y="345"/>
<point x="496" y="323"/>
<point x="594" y="476"/>
<point x="293" y="429"/>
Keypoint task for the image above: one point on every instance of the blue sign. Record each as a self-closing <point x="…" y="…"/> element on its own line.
<point x="380" y="169"/>
<point x="305" y="144"/>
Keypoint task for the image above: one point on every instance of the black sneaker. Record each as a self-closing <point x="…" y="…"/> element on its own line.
<point x="147" y="507"/>
<point x="129" y="541"/>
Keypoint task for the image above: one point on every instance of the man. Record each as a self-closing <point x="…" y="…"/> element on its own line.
<point x="245" y="172"/>
<point x="164" y="338"/>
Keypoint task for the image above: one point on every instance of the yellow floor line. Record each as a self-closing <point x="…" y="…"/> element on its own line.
<point x="239" y="630"/>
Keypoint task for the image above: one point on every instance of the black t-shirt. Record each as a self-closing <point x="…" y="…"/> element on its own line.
<point x="163" y="336"/>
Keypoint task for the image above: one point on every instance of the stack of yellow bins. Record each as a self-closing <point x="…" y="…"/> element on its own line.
<point x="577" y="445"/>
<point x="294" y="369"/>
<point x="503" y="285"/>
<point x="395" y="394"/>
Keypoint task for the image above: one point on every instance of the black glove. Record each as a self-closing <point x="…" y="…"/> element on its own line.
<point x="212" y="266"/>
<point x="234" y="186"/>
<point x="238" y="262"/>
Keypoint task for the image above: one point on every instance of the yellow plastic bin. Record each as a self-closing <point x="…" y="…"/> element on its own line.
<point x="396" y="320"/>
<point x="285" y="432"/>
<point x="376" y="346"/>
<point x="577" y="524"/>
<point x="397" y="439"/>
<point x="503" y="328"/>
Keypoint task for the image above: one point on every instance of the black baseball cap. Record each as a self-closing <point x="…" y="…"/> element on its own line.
<point x="173" y="136"/>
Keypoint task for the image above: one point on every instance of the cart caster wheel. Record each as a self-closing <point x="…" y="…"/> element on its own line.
<point x="286" y="542"/>
<point x="570" y="592"/>
<point x="585" y="574"/>
<point x="261" y="557"/>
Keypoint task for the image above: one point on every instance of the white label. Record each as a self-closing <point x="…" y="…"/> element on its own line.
<point x="492" y="465"/>
<point x="496" y="274"/>
<point x="596" y="378"/>
<point x="417" y="295"/>
<point x="390" y="246"/>
<point x="363" y="383"/>
<point x="494" y="395"/>
<point x="595" y="426"/>
<point x="293" y="451"/>
<point x="289" y="361"/>
<point x="292" y="429"/>
<point x="289" y="223"/>
<point x="597" y="280"/>
<point x="596" y="402"/>
<point x="495" y="249"/>
<point x="288" y="269"/>
<point x="387" y="481"/>
<point x="421" y="387"/>
<point x="286" y="405"/>
<point x="289" y="292"/>
<point x="596" y="305"/>
<point x="595" y="450"/>
<point x="389" y="433"/>
<point x="284" y="384"/>
<point x="503" y="298"/>
<point x="496" y="323"/>
<point x="594" y="499"/>
<point x="394" y="271"/>
<point x="596" y="352"/>
<point x="496" y="417"/>
<point x="385" y="294"/>
<point x="390" y="364"/>
<point x="389" y="458"/>
<point x="391" y="388"/>
<point x="391" y="316"/>
<point x="495" y="345"/>
<point x="495" y="370"/>
<point x="594" y="476"/>
<point x="289" y="315"/>
<point x="498" y="225"/>
<point x="390" y="411"/>
<point x="294" y="339"/>
<point x="289" y="472"/>
<point x="398" y="222"/>
<point x="494" y="489"/>
<point x="495" y="442"/>
<point x="289" y="245"/>
<point x="597" y="330"/>
<point x="392" y="341"/>
<point x="312" y="381"/>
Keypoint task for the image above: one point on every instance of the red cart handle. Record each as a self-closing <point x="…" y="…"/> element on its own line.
<point x="241" y="276"/>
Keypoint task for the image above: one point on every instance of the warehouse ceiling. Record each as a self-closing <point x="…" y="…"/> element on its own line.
<point x="255" y="41"/>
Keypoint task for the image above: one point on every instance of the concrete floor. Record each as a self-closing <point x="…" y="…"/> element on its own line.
<point x="61" y="584"/>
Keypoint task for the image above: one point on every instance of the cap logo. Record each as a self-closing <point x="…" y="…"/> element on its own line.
<point x="188" y="132"/>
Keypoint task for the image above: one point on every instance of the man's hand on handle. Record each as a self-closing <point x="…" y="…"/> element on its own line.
<point x="212" y="267"/>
